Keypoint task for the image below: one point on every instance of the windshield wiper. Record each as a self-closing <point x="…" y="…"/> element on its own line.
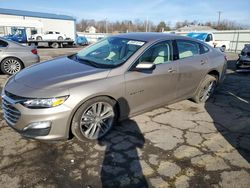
<point x="87" y="61"/>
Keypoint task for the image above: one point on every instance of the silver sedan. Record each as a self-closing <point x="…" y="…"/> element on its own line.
<point x="14" y="56"/>
<point x="116" y="78"/>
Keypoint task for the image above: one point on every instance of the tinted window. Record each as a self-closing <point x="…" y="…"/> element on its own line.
<point x="209" y="38"/>
<point x="111" y="51"/>
<point x="158" y="54"/>
<point x="187" y="48"/>
<point x="57" y="33"/>
<point x="203" y="49"/>
<point x="50" y="32"/>
<point x="3" y="44"/>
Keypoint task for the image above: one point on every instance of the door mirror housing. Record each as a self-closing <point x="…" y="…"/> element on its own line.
<point x="145" y="66"/>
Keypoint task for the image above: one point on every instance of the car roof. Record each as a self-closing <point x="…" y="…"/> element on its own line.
<point x="150" y="36"/>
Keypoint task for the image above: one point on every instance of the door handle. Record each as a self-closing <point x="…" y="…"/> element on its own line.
<point x="203" y="62"/>
<point x="171" y="70"/>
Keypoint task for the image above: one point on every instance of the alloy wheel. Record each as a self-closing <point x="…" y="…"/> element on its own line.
<point x="12" y="66"/>
<point x="97" y="120"/>
<point x="207" y="91"/>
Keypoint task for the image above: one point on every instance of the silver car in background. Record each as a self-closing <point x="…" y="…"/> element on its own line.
<point x="116" y="78"/>
<point x="14" y="56"/>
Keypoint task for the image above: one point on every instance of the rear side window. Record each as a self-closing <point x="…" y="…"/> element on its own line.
<point x="57" y="33"/>
<point x="187" y="48"/>
<point x="3" y="44"/>
<point x="203" y="49"/>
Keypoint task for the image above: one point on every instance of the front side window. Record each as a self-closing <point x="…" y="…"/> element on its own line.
<point x="209" y="38"/>
<point x="187" y="48"/>
<point x="110" y="52"/>
<point x="158" y="54"/>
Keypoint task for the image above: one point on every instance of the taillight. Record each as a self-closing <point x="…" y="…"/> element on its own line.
<point x="34" y="51"/>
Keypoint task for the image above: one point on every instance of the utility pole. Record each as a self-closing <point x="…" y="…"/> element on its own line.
<point x="219" y="15"/>
<point x="106" y="25"/>
<point x="147" y="25"/>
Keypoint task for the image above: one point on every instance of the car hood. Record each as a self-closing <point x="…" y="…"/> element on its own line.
<point x="59" y="73"/>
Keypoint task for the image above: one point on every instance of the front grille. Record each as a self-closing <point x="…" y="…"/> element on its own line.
<point x="10" y="113"/>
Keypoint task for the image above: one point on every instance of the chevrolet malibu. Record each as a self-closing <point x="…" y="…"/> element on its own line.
<point x="120" y="76"/>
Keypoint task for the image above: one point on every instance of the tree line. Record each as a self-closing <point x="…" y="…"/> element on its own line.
<point x="106" y="26"/>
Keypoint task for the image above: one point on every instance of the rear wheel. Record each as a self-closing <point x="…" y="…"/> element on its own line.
<point x="60" y="38"/>
<point x="55" y="45"/>
<point x="11" y="65"/>
<point x="94" y="118"/>
<point x="206" y="89"/>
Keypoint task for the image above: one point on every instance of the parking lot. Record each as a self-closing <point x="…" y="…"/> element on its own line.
<point x="180" y="145"/>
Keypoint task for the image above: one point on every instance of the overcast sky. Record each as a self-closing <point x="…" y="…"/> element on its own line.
<point x="155" y="10"/>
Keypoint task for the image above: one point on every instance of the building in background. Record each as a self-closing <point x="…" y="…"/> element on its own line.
<point x="19" y="22"/>
<point x="90" y="29"/>
<point x="192" y="28"/>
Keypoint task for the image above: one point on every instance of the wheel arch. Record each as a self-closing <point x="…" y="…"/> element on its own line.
<point x="214" y="73"/>
<point x="118" y="107"/>
<point x="13" y="57"/>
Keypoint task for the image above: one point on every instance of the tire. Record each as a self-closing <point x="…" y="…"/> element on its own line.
<point x="55" y="45"/>
<point x="206" y="89"/>
<point x="39" y="38"/>
<point x="60" y="38"/>
<point x="86" y="120"/>
<point x="11" y="65"/>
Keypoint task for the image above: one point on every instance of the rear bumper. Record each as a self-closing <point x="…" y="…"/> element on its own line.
<point x="31" y="60"/>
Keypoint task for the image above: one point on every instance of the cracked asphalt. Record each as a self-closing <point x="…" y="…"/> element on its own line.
<point x="180" y="145"/>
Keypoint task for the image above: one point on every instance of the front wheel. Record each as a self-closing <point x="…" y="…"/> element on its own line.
<point x="94" y="118"/>
<point x="39" y="38"/>
<point x="206" y="89"/>
<point x="11" y="66"/>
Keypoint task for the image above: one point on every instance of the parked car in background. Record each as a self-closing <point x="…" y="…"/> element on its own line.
<point x="14" y="56"/>
<point x="113" y="79"/>
<point x="49" y="35"/>
<point x="81" y="40"/>
<point x="210" y="39"/>
<point x="244" y="58"/>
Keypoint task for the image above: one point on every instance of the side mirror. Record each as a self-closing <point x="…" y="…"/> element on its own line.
<point x="145" y="66"/>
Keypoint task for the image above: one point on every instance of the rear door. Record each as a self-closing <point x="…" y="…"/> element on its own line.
<point x="146" y="89"/>
<point x="193" y="65"/>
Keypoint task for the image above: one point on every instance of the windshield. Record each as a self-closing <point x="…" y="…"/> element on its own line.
<point x="110" y="51"/>
<point x="199" y="36"/>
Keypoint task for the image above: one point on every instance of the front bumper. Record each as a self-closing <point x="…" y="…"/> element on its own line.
<point x="243" y="62"/>
<point x="21" y="120"/>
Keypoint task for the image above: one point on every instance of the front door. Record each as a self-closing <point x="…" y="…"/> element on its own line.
<point x="146" y="89"/>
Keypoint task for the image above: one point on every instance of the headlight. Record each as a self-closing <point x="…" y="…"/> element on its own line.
<point x="44" y="103"/>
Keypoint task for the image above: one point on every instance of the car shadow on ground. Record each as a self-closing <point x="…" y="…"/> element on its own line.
<point x="230" y="111"/>
<point x="121" y="160"/>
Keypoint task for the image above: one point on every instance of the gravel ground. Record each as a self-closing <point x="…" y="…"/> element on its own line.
<point x="180" y="145"/>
